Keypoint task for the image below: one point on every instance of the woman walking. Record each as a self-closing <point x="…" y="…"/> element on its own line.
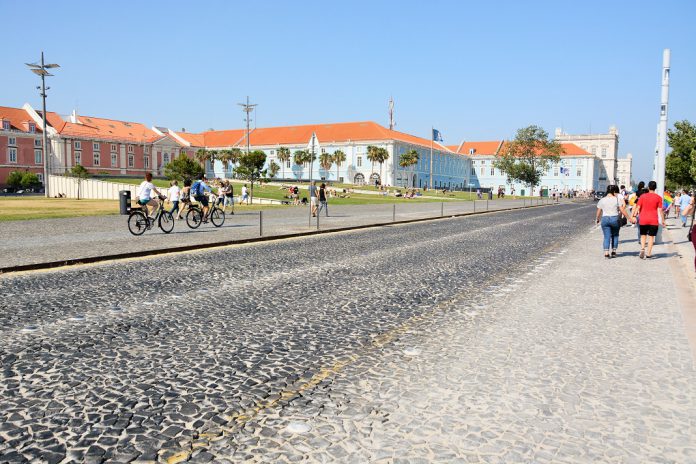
<point x="609" y="210"/>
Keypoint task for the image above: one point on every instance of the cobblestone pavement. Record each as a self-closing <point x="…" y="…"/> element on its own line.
<point x="47" y="240"/>
<point x="475" y="339"/>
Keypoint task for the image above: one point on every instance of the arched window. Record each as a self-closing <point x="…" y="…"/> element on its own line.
<point x="359" y="179"/>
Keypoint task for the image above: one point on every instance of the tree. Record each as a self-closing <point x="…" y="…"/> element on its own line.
<point x="302" y="157"/>
<point x="325" y="161"/>
<point x="14" y="179"/>
<point x="372" y="155"/>
<point x="273" y="169"/>
<point x="526" y="158"/>
<point x="408" y="159"/>
<point x="182" y="167"/>
<point x="229" y="157"/>
<point x="339" y="158"/>
<point x="203" y="155"/>
<point x="377" y="155"/>
<point x="29" y="179"/>
<point x="251" y="168"/>
<point x="80" y="173"/>
<point x="680" y="165"/>
<point x="283" y="157"/>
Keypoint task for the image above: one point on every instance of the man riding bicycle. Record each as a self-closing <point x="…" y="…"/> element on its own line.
<point x="198" y="190"/>
<point x="144" y="196"/>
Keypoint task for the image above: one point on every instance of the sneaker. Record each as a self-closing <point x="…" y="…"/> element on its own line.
<point x="642" y="254"/>
<point x="613" y="254"/>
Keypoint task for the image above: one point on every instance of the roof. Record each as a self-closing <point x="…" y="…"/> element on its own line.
<point x="491" y="148"/>
<point x="196" y="140"/>
<point x="18" y="118"/>
<point x="102" y="128"/>
<point x="326" y="133"/>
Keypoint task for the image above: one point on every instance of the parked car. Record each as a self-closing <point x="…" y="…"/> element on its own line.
<point x="599" y="195"/>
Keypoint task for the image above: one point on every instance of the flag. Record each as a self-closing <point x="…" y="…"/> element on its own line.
<point x="667" y="200"/>
<point x="437" y="136"/>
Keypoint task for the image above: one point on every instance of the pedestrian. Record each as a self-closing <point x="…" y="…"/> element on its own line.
<point x="313" y="197"/>
<point x="684" y="202"/>
<point x="323" y="204"/>
<point x="296" y="195"/>
<point x="229" y="196"/>
<point x="478" y="193"/>
<point x="174" y="195"/>
<point x="676" y="204"/>
<point x="245" y="195"/>
<point x="640" y="190"/>
<point x="609" y="211"/>
<point x="648" y="208"/>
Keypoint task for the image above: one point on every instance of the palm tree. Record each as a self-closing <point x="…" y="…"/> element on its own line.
<point x="338" y="157"/>
<point x="283" y="157"/>
<point x="325" y="161"/>
<point x="202" y="155"/>
<point x="383" y="155"/>
<point x="408" y="159"/>
<point x="225" y="156"/>
<point x="235" y="154"/>
<point x="273" y="169"/>
<point x="372" y="155"/>
<point x="302" y="157"/>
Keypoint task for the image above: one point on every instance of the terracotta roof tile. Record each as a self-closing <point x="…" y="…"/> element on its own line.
<point x="18" y="118"/>
<point x="101" y="128"/>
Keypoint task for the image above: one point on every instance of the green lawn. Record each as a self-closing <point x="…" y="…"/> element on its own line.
<point x="21" y="208"/>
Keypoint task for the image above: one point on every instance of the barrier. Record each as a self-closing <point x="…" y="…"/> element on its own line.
<point x="90" y="189"/>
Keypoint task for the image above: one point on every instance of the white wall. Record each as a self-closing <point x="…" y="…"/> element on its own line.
<point x="91" y="189"/>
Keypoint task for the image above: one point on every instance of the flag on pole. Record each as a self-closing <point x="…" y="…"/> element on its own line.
<point x="437" y="136"/>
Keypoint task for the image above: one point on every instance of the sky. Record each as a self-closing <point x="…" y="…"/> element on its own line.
<point x="473" y="70"/>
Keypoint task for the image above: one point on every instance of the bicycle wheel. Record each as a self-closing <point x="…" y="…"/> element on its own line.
<point x="194" y="218"/>
<point x="137" y="223"/>
<point x="166" y="222"/>
<point x="217" y="217"/>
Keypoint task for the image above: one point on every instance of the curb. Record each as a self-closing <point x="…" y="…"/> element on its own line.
<point x="204" y="246"/>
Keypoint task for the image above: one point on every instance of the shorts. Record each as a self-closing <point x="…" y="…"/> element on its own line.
<point x="648" y="230"/>
<point x="202" y="199"/>
<point x="143" y="202"/>
<point x="313" y="201"/>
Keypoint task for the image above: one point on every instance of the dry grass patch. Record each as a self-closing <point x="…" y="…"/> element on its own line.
<point x="21" y="208"/>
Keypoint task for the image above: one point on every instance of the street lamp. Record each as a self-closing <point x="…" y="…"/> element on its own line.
<point x="40" y="70"/>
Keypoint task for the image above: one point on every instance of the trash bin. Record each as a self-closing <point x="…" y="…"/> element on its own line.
<point x="490" y="195"/>
<point x="124" y="199"/>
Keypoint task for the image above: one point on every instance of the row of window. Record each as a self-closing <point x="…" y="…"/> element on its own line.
<point x="114" y="147"/>
<point x="554" y="173"/>
<point x="6" y="125"/>
<point x="12" y="155"/>
<point x="96" y="159"/>
<point x="12" y="142"/>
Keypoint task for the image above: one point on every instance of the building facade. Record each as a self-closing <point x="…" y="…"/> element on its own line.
<point x="574" y="172"/>
<point x="625" y="171"/>
<point x="20" y="143"/>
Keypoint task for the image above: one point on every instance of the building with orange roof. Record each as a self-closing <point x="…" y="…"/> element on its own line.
<point x="576" y="170"/>
<point x="450" y="169"/>
<point x="20" y="144"/>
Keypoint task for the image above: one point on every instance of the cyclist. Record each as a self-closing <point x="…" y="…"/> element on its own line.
<point x="198" y="190"/>
<point x="144" y="195"/>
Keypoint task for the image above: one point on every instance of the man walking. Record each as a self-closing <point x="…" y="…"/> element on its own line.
<point x="684" y="201"/>
<point x="648" y="208"/>
<point x="313" y="198"/>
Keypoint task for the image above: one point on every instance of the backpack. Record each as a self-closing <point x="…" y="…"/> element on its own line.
<point x="197" y="188"/>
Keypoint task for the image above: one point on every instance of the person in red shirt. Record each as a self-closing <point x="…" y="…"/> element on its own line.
<point x="648" y="207"/>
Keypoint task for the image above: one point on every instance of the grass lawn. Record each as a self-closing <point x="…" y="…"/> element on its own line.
<point x="21" y="208"/>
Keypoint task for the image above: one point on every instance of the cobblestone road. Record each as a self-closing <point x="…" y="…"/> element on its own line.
<point x="463" y="340"/>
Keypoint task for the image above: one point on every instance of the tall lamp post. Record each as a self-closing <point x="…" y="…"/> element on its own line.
<point x="248" y="108"/>
<point x="40" y="69"/>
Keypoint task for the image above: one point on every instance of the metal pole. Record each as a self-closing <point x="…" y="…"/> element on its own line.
<point x="309" y="189"/>
<point x="431" y="158"/>
<point x="662" y="134"/>
<point x="486" y="204"/>
<point x="394" y="212"/>
<point x="317" y="222"/>
<point x="442" y="209"/>
<point x="261" y="223"/>
<point x="474" y="206"/>
<point x="43" y="135"/>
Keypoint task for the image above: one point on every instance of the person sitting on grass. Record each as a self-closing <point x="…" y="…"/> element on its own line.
<point x="144" y="195"/>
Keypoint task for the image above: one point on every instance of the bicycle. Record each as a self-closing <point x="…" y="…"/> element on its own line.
<point x="138" y="222"/>
<point x="194" y="216"/>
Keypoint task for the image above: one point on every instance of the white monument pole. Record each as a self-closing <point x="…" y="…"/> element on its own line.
<point x="662" y="133"/>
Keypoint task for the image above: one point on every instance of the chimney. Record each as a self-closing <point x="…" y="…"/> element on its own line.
<point x="73" y="117"/>
<point x="183" y="129"/>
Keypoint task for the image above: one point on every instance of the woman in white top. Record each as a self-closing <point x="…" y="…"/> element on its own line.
<point x="174" y="194"/>
<point x="609" y="210"/>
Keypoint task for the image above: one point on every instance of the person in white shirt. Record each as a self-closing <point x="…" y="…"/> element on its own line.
<point x="144" y="195"/>
<point x="245" y="195"/>
<point x="174" y="194"/>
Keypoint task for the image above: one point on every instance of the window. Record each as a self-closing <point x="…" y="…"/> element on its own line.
<point x="12" y="155"/>
<point x="12" y="141"/>
<point x="182" y="152"/>
<point x="165" y="159"/>
<point x="95" y="147"/>
<point x="40" y="176"/>
<point x="358" y="149"/>
<point x="146" y="161"/>
<point x="473" y="171"/>
<point x="6" y="125"/>
<point x="113" y="147"/>
<point x="78" y="145"/>
<point x="579" y="171"/>
<point x="38" y="157"/>
<point x="604" y="152"/>
<point x="96" y="159"/>
<point x="359" y="161"/>
<point x="273" y="152"/>
<point x="555" y="171"/>
<point x="145" y="150"/>
<point x="483" y="171"/>
<point x="78" y="157"/>
<point x="492" y="171"/>
<point x="323" y="150"/>
<point x="287" y="164"/>
<point x="32" y="128"/>
<point x="131" y="161"/>
<point x="37" y="142"/>
<point x="130" y="149"/>
<point x="594" y="151"/>
<point x="114" y="159"/>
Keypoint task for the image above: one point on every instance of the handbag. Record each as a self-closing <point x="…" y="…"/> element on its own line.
<point x="689" y="235"/>
<point x="622" y="219"/>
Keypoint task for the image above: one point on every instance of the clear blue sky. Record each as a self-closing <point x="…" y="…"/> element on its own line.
<point x="475" y="70"/>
